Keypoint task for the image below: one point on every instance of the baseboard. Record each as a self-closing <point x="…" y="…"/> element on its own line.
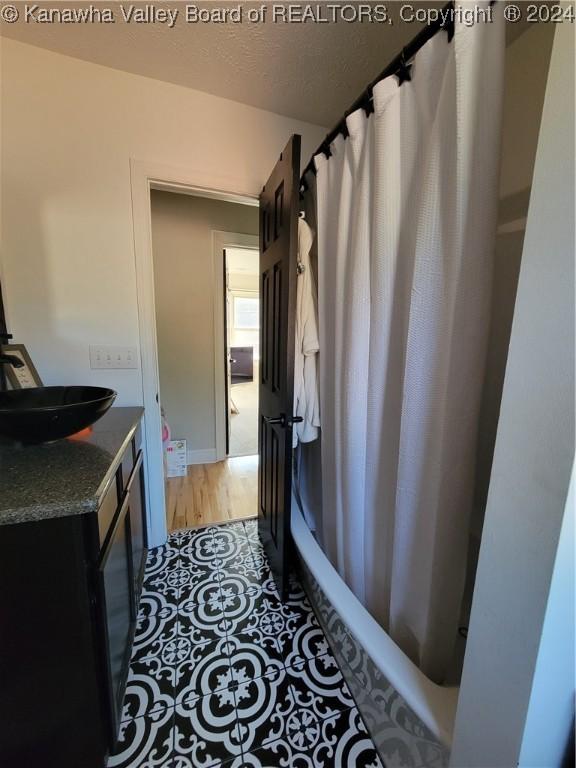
<point x="204" y="456"/>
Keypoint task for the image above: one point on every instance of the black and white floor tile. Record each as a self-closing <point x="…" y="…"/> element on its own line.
<point x="224" y="674"/>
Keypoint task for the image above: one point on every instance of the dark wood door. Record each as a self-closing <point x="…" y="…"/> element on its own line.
<point x="279" y="208"/>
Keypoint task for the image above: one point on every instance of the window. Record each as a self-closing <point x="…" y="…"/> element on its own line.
<point x="246" y="313"/>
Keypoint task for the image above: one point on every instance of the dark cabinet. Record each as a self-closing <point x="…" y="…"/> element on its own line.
<point x="120" y="578"/>
<point x="51" y="711"/>
<point x="115" y="600"/>
<point x="69" y="590"/>
<point x="137" y="515"/>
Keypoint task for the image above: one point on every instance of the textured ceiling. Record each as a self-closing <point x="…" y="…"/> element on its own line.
<point x="308" y="71"/>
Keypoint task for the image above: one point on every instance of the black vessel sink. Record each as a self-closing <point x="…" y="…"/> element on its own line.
<point x="44" y="414"/>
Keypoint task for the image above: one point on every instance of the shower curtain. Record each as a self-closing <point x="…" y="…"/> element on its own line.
<point x="406" y="210"/>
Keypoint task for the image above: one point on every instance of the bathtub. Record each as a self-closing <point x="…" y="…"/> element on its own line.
<point x="409" y="717"/>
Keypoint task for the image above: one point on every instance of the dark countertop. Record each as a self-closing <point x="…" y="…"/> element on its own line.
<point x="68" y="477"/>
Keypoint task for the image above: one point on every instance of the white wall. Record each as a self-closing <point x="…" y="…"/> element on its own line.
<point x="533" y="457"/>
<point x="182" y="227"/>
<point x="551" y="709"/>
<point x="69" y="130"/>
<point x="527" y="61"/>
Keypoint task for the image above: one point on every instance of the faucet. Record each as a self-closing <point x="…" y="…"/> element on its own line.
<point x="12" y="360"/>
<point x="6" y="359"/>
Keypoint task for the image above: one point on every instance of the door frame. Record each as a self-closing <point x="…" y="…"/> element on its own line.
<point x="226" y="356"/>
<point x="145" y="176"/>
<point x="220" y="242"/>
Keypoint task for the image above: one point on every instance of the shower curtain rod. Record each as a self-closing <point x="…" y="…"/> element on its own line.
<point x="399" y="66"/>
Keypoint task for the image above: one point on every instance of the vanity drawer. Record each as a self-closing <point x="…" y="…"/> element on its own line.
<point x="137" y="441"/>
<point x="128" y="463"/>
<point x="107" y="510"/>
<point x="115" y="493"/>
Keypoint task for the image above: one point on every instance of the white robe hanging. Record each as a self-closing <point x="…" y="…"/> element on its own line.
<point x="307" y="345"/>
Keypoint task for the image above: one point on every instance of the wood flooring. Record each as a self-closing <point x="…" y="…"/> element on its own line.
<point x="213" y="493"/>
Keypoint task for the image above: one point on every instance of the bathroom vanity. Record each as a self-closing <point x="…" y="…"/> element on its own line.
<point x="72" y="556"/>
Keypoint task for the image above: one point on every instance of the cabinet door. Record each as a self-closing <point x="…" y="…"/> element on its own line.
<point x="135" y="490"/>
<point x="116" y="598"/>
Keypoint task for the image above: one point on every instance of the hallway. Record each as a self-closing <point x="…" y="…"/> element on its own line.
<point x="213" y="493"/>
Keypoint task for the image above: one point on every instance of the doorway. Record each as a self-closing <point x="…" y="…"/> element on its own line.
<point x="242" y="355"/>
<point x="191" y="234"/>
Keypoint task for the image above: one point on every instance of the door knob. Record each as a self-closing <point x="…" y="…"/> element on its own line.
<point x="282" y="420"/>
<point x="276" y="420"/>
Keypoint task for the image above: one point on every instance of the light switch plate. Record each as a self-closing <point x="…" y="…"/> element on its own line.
<point x="113" y="357"/>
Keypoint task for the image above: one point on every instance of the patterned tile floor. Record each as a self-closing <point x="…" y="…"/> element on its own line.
<point x="224" y="674"/>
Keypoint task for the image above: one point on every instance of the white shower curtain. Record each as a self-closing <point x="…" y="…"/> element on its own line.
<point x="406" y="219"/>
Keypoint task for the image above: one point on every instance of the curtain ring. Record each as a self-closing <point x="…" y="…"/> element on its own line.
<point x="404" y="70"/>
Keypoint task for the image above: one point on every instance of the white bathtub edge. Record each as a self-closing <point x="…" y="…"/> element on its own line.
<point x="435" y="705"/>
